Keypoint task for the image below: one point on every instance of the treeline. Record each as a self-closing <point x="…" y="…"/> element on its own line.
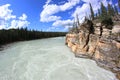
<point x="12" y="35"/>
<point x="104" y="12"/>
<point x="104" y="15"/>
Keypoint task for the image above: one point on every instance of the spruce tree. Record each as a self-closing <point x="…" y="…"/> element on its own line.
<point x="119" y="3"/>
<point x="96" y="15"/>
<point x="78" y="22"/>
<point x="75" y="27"/>
<point x="115" y="9"/>
<point x="99" y="13"/>
<point x="106" y="20"/>
<point x="92" y="12"/>
<point x="103" y="11"/>
<point x="110" y="10"/>
<point x="74" y="24"/>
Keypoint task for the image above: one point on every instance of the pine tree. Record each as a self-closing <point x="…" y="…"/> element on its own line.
<point x="92" y="12"/>
<point x="106" y="19"/>
<point x="99" y="13"/>
<point x="110" y="10"/>
<point x="78" y="22"/>
<point x="96" y="15"/>
<point x="119" y="3"/>
<point x="115" y="9"/>
<point x="75" y="27"/>
<point x="103" y="11"/>
<point x="74" y="23"/>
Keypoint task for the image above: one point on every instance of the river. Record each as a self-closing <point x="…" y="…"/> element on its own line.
<point x="47" y="59"/>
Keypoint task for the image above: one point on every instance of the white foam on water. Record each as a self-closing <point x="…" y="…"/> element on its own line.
<point x="47" y="59"/>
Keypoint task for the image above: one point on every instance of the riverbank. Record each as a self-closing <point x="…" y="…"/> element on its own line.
<point x="94" y="41"/>
<point x="23" y="34"/>
<point x="98" y="40"/>
<point x="105" y="52"/>
<point x="7" y="45"/>
<point x="1" y="48"/>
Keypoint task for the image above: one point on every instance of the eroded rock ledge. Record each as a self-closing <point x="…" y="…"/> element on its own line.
<point x="105" y="50"/>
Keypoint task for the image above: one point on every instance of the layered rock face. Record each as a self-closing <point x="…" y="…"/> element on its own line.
<point x="105" y="49"/>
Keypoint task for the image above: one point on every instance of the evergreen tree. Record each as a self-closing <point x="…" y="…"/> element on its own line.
<point x="103" y="12"/>
<point x="12" y="35"/>
<point x="99" y="13"/>
<point x="115" y="9"/>
<point x="106" y="19"/>
<point x="92" y="12"/>
<point x="110" y="10"/>
<point x="74" y="24"/>
<point x="74" y="28"/>
<point x="78" y="22"/>
<point x="96" y="15"/>
<point x="119" y="3"/>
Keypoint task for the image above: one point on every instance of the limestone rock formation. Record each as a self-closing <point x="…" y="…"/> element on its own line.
<point x="105" y="50"/>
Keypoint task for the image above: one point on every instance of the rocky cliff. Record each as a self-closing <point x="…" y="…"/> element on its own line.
<point x="104" y="49"/>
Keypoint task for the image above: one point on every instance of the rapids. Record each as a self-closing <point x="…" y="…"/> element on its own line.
<point x="47" y="59"/>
